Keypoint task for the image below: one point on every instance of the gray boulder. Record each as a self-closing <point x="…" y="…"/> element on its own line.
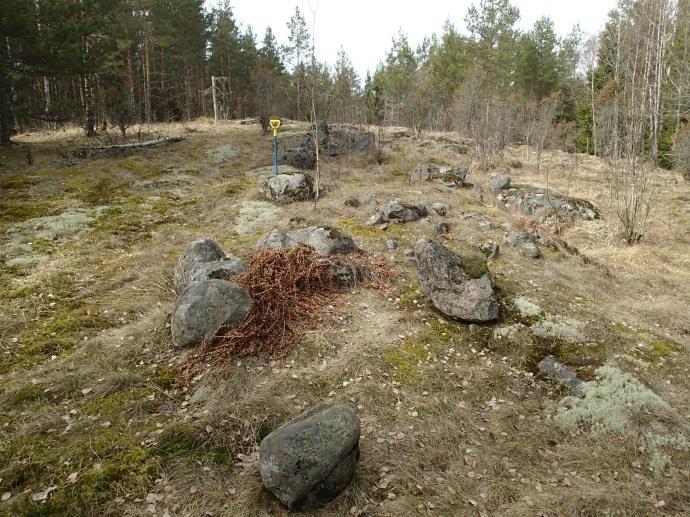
<point x="224" y="269"/>
<point x="525" y="242"/>
<point x="197" y="252"/>
<point x="440" y="208"/>
<point x="309" y="461"/>
<point x="459" y="286"/>
<point x="274" y="239"/>
<point x="287" y="188"/>
<point x="396" y="211"/>
<point x="452" y="176"/>
<point x="206" y="307"/>
<point x="500" y="182"/>
<point x="298" y="151"/>
<point x="375" y="219"/>
<point x="550" y="206"/>
<point x="324" y="239"/>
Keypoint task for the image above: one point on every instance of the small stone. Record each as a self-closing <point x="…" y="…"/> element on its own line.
<point x="391" y="244"/>
<point x="6" y="496"/>
<point x="557" y="371"/>
<point x="440" y="208"/>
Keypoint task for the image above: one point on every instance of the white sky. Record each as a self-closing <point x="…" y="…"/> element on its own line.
<point x="365" y="27"/>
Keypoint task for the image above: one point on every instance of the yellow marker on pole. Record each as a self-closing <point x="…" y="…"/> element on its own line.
<point x="275" y="124"/>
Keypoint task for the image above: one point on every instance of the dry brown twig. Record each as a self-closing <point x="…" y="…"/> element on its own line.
<point x="289" y="289"/>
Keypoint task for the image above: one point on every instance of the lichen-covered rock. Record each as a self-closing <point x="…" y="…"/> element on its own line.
<point x="396" y="211"/>
<point x="197" y="252"/>
<point x="549" y="206"/>
<point x="309" y="461"/>
<point x="525" y="242"/>
<point x="324" y="239"/>
<point x="459" y="286"/>
<point x="274" y="239"/>
<point x="224" y="269"/>
<point x="288" y="188"/>
<point x="440" y="208"/>
<point x="500" y="182"/>
<point x="298" y="151"/>
<point x="452" y="176"/>
<point x="206" y="307"/>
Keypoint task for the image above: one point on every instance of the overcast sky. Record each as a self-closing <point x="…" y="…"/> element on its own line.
<point x="365" y="27"/>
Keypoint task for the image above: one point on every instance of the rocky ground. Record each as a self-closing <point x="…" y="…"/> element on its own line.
<point x="574" y="401"/>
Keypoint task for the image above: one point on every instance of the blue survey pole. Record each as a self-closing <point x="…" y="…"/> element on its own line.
<point x="275" y="124"/>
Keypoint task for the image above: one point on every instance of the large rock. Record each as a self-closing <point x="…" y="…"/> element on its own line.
<point x="309" y="461"/>
<point x="396" y="211"/>
<point x="298" y="151"/>
<point x="287" y="188"/>
<point x="324" y="239"/>
<point x="206" y="307"/>
<point x="197" y="252"/>
<point x="500" y="182"/>
<point x="460" y="286"/>
<point x="452" y="176"/>
<point x="549" y="206"/>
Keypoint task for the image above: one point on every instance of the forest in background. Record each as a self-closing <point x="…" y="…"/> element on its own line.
<point x="110" y="64"/>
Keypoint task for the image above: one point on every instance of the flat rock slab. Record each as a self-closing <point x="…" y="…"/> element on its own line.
<point x="309" y="461"/>
<point x="204" y="308"/>
<point x="551" y="368"/>
<point x="255" y="216"/>
<point x="53" y="227"/>
<point x="459" y="286"/>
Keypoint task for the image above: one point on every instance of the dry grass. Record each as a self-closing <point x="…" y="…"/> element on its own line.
<point x="453" y="423"/>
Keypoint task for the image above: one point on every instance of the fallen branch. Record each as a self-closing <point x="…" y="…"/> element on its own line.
<point x="114" y="150"/>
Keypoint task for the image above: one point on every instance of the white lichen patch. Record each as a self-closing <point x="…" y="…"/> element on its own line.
<point x="560" y="327"/>
<point x="526" y="308"/>
<point x="255" y="216"/>
<point x="613" y="402"/>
